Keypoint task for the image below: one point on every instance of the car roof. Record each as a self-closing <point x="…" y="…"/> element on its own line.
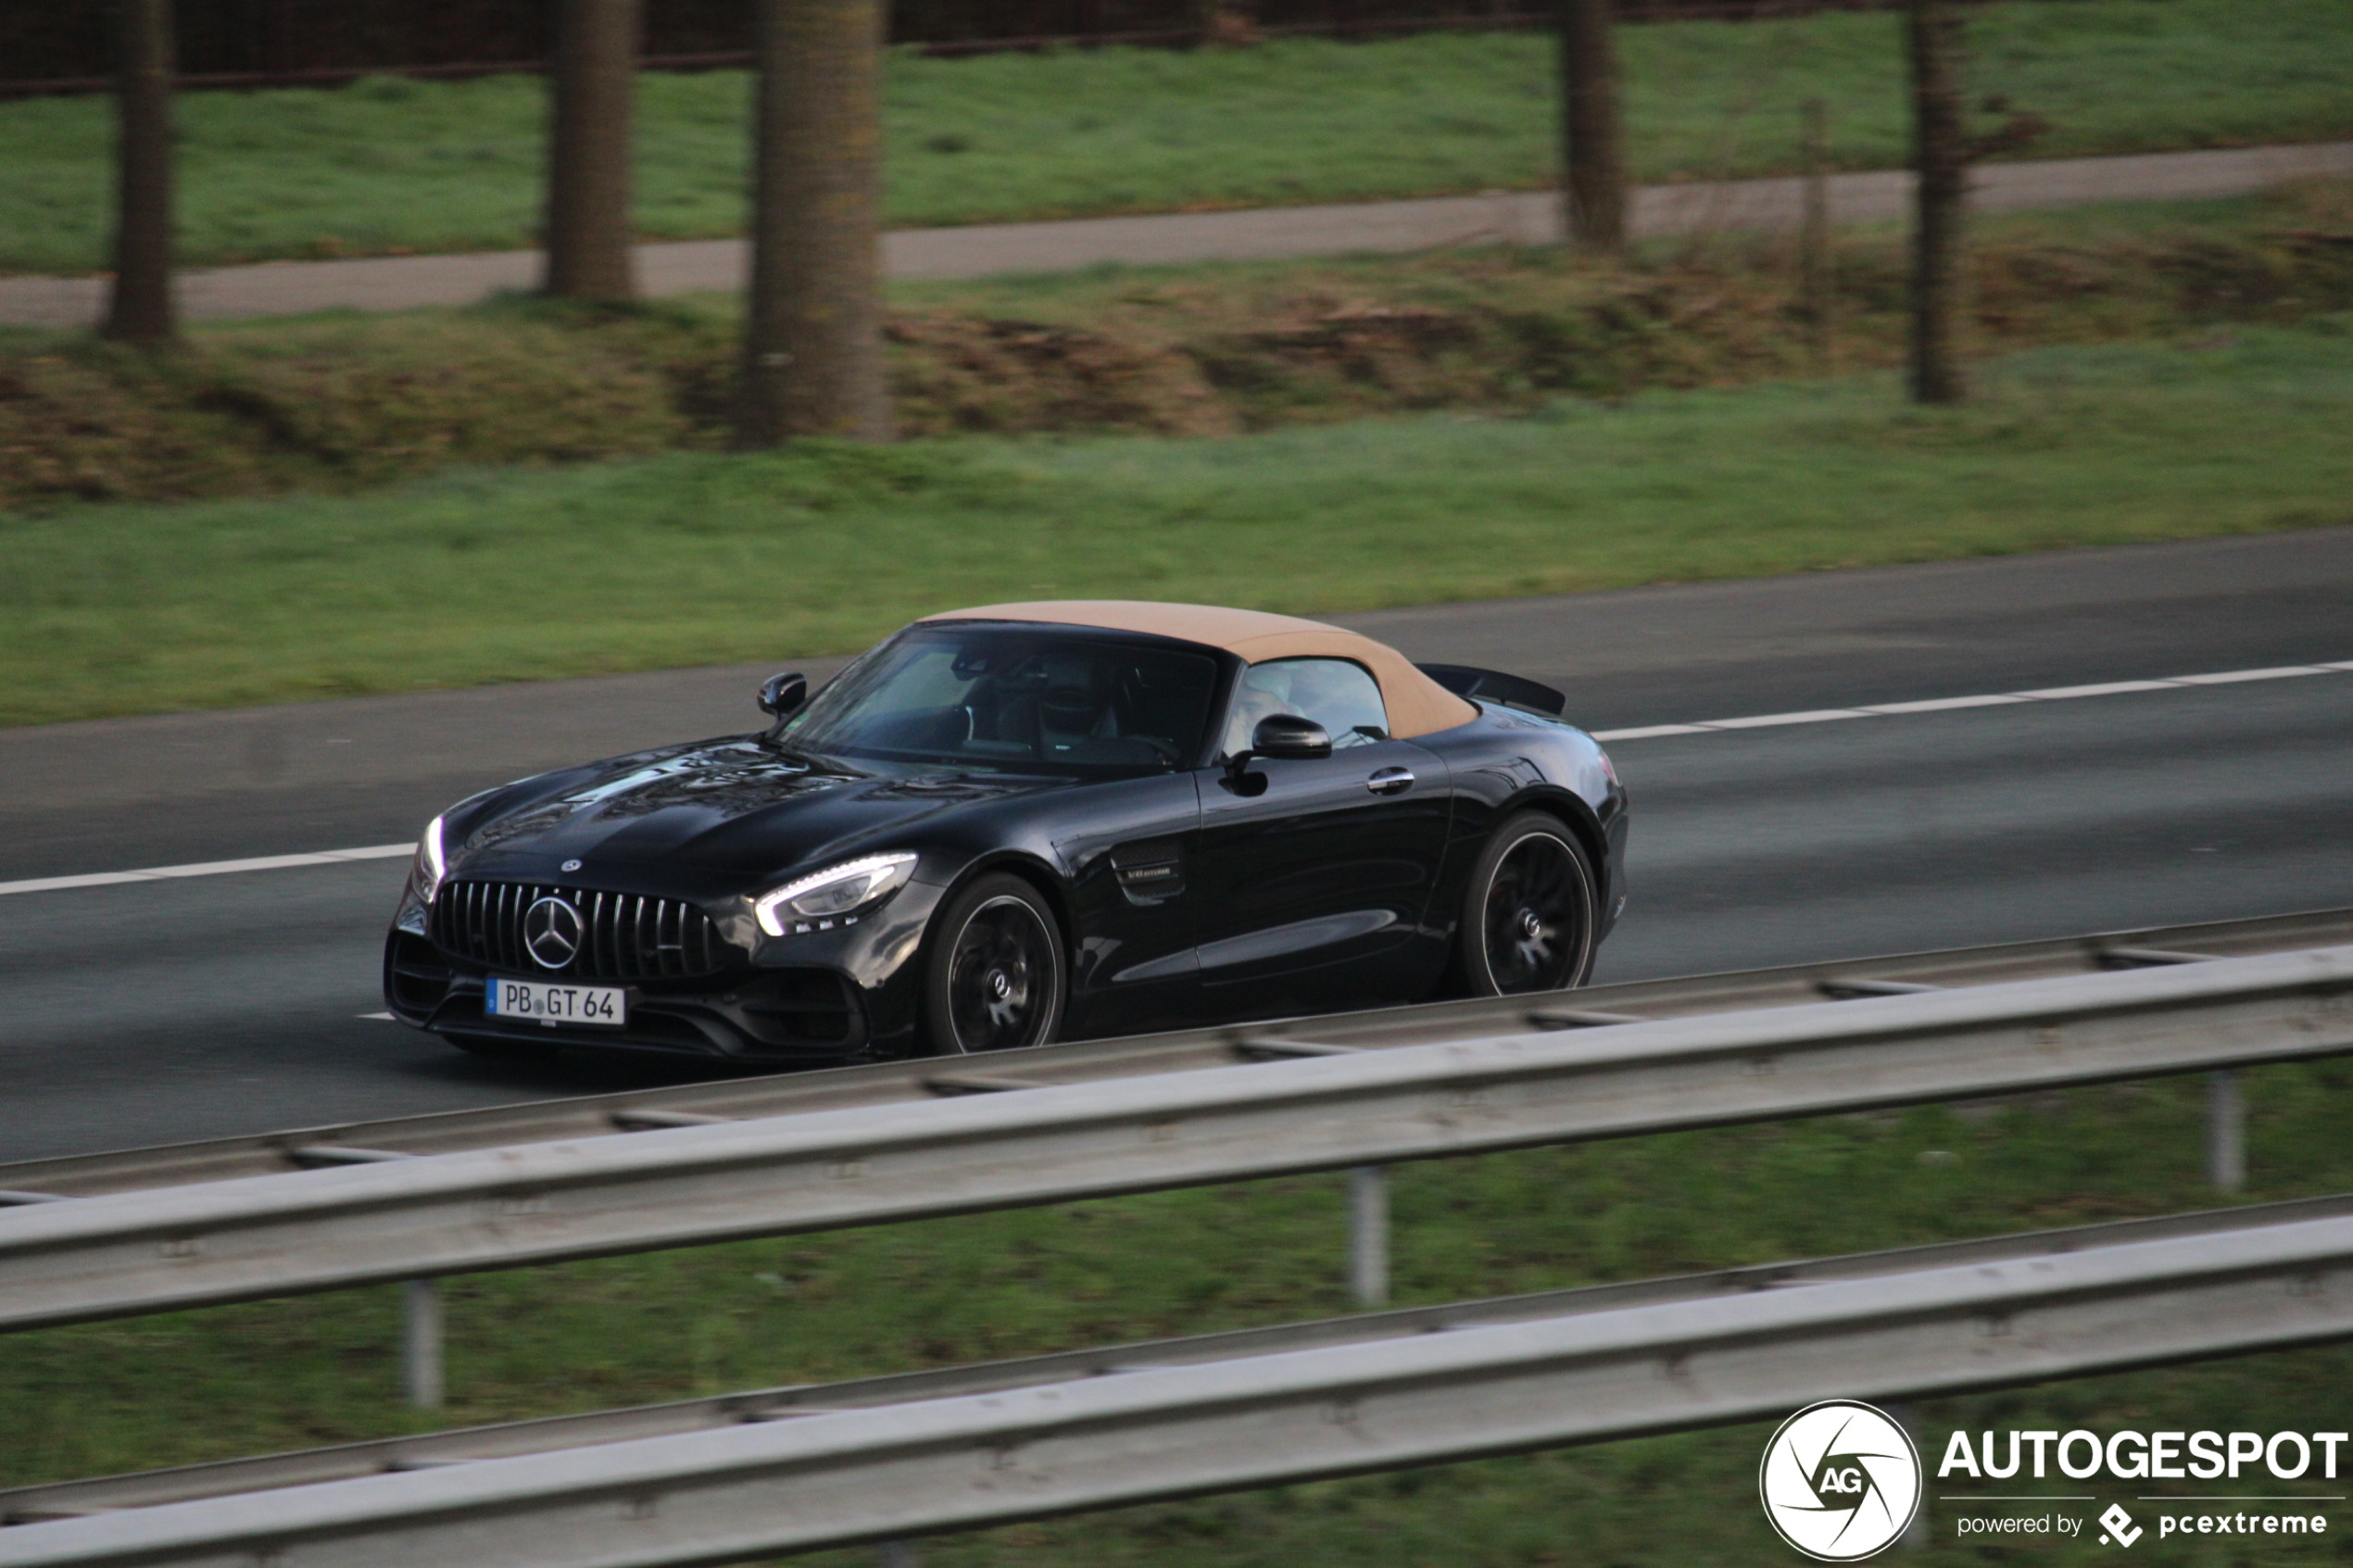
<point x="1417" y="705"/>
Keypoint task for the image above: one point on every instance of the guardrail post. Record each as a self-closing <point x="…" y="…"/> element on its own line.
<point x="2225" y="1132"/>
<point x="421" y="1343"/>
<point x="1369" y="1235"/>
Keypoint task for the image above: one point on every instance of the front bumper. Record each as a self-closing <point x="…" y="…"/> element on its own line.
<point x="811" y="1013"/>
<point x="822" y="996"/>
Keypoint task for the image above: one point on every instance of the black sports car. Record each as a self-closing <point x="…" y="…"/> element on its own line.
<point x="1028" y="823"/>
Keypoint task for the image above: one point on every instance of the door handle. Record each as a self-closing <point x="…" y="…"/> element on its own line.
<point x="1389" y="781"/>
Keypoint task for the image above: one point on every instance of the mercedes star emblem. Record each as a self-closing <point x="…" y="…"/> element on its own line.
<point x="551" y="933"/>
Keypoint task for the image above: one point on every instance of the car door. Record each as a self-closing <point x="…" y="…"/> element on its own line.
<point x="1128" y="849"/>
<point x="1313" y="890"/>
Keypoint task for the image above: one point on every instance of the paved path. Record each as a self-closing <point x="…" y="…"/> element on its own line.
<point x="144" y="1013"/>
<point x="980" y="250"/>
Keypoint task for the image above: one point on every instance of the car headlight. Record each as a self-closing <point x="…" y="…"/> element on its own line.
<point x="823" y="898"/>
<point x="426" y="871"/>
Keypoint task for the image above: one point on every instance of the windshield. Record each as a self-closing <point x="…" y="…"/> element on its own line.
<point x="1024" y="701"/>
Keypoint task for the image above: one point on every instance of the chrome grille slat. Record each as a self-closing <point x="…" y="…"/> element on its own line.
<point x="625" y="936"/>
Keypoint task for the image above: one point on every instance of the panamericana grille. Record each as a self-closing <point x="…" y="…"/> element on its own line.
<point x="624" y="937"/>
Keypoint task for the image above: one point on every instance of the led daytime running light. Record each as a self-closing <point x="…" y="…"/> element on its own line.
<point x="425" y="872"/>
<point x="885" y="873"/>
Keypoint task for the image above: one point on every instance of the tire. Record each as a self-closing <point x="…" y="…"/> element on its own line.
<point x="1530" y="911"/>
<point x="994" y="977"/>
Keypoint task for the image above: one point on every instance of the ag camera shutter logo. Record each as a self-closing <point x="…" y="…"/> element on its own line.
<point x="1840" y="1481"/>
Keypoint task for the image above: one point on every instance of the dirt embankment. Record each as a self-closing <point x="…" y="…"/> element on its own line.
<point x="352" y="402"/>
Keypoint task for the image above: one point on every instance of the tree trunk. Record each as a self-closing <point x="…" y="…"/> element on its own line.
<point x="1592" y="140"/>
<point x="813" y="343"/>
<point x="588" y="150"/>
<point x="1813" y="234"/>
<point x="1940" y="158"/>
<point x="140" y="308"/>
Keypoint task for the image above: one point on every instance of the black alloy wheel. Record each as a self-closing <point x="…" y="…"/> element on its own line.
<point x="994" y="978"/>
<point x="1530" y="911"/>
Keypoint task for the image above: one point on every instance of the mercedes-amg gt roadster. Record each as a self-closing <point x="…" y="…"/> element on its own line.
<point x="1022" y="823"/>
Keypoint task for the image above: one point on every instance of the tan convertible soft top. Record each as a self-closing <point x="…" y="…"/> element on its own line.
<point x="1417" y="705"/>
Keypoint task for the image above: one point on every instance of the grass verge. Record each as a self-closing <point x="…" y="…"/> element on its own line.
<point x="196" y="1386"/>
<point x="486" y="575"/>
<point x="392" y="165"/>
<point x="346" y="402"/>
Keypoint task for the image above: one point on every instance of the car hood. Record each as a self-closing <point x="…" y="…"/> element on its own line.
<point x="728" y="805"/>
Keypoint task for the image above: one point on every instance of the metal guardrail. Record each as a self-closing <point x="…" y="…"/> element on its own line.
<point x="1304" y="1403"/>
<point x="1185" y="1050"/>
<point x="396" y="1218"/>
<point x="69" y="1499"/>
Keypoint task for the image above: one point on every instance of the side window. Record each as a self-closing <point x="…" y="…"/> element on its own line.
<point x="1339" y="696"/>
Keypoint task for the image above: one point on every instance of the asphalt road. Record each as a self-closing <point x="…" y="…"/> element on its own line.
<point x="153" y="1011"/>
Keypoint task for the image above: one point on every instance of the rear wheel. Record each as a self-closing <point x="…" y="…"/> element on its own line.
<point x="1531" y="912"/>
<point x="994" y="976"/>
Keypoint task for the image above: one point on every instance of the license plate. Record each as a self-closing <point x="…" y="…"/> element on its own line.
<point x="607" y="1006"/>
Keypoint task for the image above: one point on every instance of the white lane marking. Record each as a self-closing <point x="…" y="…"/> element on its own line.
<point x="1754" y="721"/>
<point x="1939" y="704"/>
<point x="1763" y="721"/>
<point x="2231" y="677"/>
<point x="208" y="867"/>
<point x="380" y="1017"/>
<point x="1991" y="699"/>
<point x="2106" y="688"/>
<point x="1648" y="731"/>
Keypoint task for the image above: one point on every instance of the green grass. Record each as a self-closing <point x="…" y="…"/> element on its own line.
<point x="489" y="575"/>
<point x="190" y="1386"/>
<point x="394" y="164"/>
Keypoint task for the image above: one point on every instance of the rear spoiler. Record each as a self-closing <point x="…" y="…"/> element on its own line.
<point x="1493" y="686"/>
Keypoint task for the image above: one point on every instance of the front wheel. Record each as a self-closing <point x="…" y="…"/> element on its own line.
<point x="993" y="977"/>
<point x="1531" y="912"/>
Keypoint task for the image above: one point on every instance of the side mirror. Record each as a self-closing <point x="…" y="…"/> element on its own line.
<point x="782" y="696"/>
<point x="1284" y="736"/>
<point x="1290" y="738"/>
